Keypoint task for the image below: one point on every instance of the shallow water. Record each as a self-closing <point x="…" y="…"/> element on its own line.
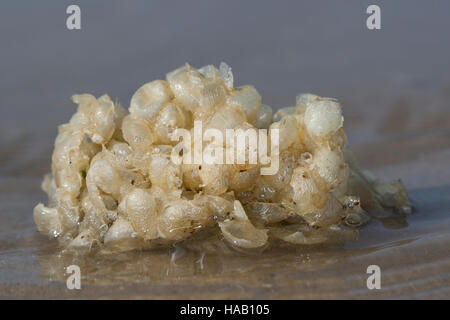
<point x="395" y="96"/>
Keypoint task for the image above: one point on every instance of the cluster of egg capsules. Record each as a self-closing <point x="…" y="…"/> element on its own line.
<point x="113" y="184"/>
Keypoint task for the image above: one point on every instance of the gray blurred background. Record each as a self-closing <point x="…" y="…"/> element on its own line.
<point x="394" y="83"/>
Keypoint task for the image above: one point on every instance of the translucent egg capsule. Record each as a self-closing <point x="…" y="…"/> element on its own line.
<point x="306" y="98"/>
<point x="216" y="177"/>
<point x="123" y="153"/>
<point x="248" y="99"/>
<point x="170" y="118"/>
<point x="262" y="213"/>
<point x="140" y="208"/>
<point x="226" y="74"/>
<point x="137" y="133"/>
<point x="47" y="220"/>
<point x="70" y="160"/>
<point x="228" y="117"/>
<point x="219" y="206"/>
<point x="240" y="232"/>
<point x="330" y="166"/>
<point x="323" y="117"/>
<point x="306" y="195"/>
<point x="121" y="236"/>
<point x="263" y="117"/>
<point x="105" y="175"/>
<point x="209" y="71"/>
<point x="287" y="128"/>
<point x="244" y="179"/>
<point x="99" y="117"/>
<point x="149" y="99"/>
<point x="191" y="176"/>
<point x="182" y="218"/>
<point x="196" y="92"/>
<point x="162" y="171"/>
<point x="116" y="185"/>
<point x="331" y="213"/>
<point x="288" y="162"/>
<point x="283" y="112"/>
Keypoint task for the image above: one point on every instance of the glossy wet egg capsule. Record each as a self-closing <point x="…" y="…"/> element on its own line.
<point x="114" y="183"/>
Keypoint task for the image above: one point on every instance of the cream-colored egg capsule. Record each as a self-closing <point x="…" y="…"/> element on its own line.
<point x="116" y="186"/>
<point x="137" y="133"/>
<point x="323" y="117"/>
<point x="148" y="100"/>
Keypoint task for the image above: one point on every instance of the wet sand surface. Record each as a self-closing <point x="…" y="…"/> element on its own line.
<point x="395" y="96"/>
<point x="413" y="255"/>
